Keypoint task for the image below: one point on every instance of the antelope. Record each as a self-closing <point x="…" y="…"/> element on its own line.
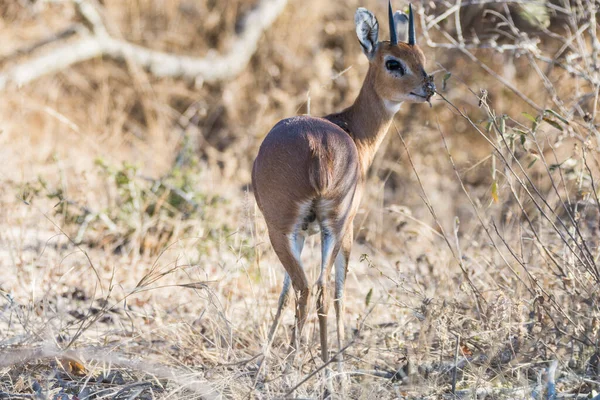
<point x="310" y="172"/>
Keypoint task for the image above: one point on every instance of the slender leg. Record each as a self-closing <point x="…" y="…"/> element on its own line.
<point x="330" y="246"/>
<point x="297" y="246"/>
<point x="283" y="300"/>
<point x="301" y="303"/>
<point x="283" y="297"/>
<point x="341" y="268"/>
<point x="286" y="249"/>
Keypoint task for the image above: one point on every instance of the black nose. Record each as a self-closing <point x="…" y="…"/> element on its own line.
<point x="429" y="86"/>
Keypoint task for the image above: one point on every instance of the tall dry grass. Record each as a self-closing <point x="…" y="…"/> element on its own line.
<point x="134" y="263"/>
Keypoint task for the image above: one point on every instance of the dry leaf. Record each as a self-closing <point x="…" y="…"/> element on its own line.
<point x="72" y="366"/>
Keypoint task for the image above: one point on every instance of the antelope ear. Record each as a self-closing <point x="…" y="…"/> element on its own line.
<point x="367" y="30"/>
<point x="401" y="24"/>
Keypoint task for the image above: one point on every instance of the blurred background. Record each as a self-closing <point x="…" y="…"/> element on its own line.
<point x="127" y="135"/>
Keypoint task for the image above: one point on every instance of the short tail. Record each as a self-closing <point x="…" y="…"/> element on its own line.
<point x="320" y="168"/>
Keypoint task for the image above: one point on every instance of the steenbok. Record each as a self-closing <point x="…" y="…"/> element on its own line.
<point x="309" y="174"/>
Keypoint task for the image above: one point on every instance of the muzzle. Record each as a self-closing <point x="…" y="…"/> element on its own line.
<point x="429" y="86"/>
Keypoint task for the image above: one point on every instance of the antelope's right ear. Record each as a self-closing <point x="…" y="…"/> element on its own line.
<point x="401" y="23"/>
<point x="367" y="30"/>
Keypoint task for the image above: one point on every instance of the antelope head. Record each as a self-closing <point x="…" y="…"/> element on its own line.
<point x="396" y="67"/>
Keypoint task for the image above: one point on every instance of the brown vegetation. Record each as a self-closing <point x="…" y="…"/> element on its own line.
<point x="133" y="261"/>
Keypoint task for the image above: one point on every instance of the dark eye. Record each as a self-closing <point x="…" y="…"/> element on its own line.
<point x="394" y="65"/>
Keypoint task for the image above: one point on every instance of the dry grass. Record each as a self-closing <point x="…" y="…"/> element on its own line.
<point x="134" y="263"/>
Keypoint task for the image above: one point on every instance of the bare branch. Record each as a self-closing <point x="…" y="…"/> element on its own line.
<point x="160" y="64"/>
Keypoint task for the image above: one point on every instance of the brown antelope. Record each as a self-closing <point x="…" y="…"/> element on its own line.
<point x="309" y="173"/>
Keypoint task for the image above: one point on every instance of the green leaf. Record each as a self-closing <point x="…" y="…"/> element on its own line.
<point x="532" y="162"/>
<point x="553" y="123"/>
<point x="503" y="124"/>
<point x="529" y="117"/>
<point x="368" y="297"/>
<point x="557" y="115"/>
<point x="445" y="79"/>
<point x="554" y="167"/>
<point x="488" y="127"/>
<point x="535" y="120"/>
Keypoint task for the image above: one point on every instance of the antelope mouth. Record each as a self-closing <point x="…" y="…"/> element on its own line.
<point x="426" y="98"/>
<point x="421" y="96"/>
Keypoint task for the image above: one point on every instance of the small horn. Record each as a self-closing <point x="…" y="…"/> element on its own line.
<point x="393" y="36"/>
<point x="411" y="26"/>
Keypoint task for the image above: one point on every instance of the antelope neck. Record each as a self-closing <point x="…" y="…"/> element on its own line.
<point x="367" y="121"/>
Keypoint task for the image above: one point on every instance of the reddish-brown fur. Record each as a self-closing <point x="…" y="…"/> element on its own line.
<point x="312" y="170"/>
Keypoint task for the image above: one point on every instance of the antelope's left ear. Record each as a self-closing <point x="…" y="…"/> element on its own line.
<point x="401" y="24"/>
<point x="367" y="30"/>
